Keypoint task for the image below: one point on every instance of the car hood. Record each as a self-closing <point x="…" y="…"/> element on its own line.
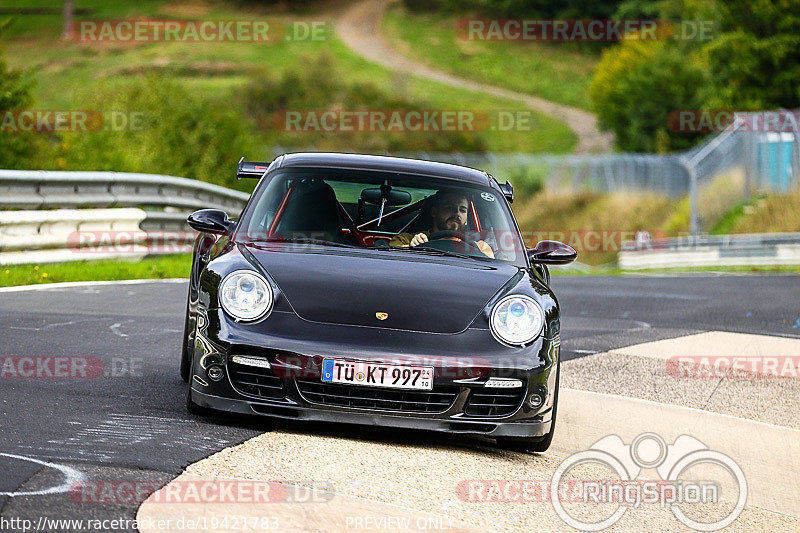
<point x="438" y="295"/>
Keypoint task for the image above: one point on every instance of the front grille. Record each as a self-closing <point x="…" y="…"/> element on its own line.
<point x="437" y="400"/>
<point x="256" y="381"/>
<point x="494" y="402"/>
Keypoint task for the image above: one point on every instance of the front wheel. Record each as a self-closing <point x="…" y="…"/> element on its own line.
<point x="186" y="351"/>
<point x="192" y="407"/>
<point x="536" y="444"/>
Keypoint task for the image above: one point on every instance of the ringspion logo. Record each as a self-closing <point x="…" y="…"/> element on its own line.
<point x="626" y="490"/>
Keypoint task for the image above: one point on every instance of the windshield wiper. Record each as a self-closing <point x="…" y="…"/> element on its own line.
<point x="429" y="251"/>
<point x="302" y="240"/>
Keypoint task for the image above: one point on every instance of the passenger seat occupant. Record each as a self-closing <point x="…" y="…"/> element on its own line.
<point x="449" y="212"/>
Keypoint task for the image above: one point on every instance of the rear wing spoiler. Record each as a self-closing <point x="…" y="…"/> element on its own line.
<point x="508" y="191"/>
<point x="251" y="169"/>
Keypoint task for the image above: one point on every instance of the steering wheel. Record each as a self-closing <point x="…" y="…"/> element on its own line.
<point x="444" y="240"/>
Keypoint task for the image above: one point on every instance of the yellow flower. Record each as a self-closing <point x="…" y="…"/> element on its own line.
<point x="44" y="274"/>
<point x="8" y="272"/>
<point x="36" y="268"/>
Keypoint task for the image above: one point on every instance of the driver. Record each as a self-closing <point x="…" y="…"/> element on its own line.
<point x="449" y="212"/>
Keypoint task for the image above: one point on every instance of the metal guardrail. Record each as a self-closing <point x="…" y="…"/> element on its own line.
<point x="714" y="250"/>
<point x="42" y="189"/>
<point x="59" y="235"/>
<point x="35" y="232"/>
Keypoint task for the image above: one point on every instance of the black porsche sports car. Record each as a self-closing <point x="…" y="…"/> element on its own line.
<point x="375" y="290"/>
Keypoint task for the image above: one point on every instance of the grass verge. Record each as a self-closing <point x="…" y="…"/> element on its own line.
<point x="755" y="269"/>
<point x="549" y="70"/>
<point x="67" y="74"/>
<point x="178" y="266"/>
<point x="158" y="267"/>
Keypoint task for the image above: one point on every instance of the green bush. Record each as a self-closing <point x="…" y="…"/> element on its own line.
<point x="319" y="83"/>
<point x="527" y="180"/>
<point x="181" y="134"/>
<point x="755" y="61"/>
<point x="636" y="86"/>
<point x="16" y="148"/>
<point x="521" y="8"/>
<point x="751" y="62"/>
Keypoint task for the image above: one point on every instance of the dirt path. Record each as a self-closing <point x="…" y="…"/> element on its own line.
<point x="359" y="28"/>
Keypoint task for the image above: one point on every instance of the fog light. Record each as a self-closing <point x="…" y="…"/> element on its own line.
<point x="259" y="362"/>
<point x="215" y="373"/>
<point x="503" y="383"/>
<point x="535" y="400"/>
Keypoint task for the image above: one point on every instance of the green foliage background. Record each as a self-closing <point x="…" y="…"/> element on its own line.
<point x="751" y="62"/>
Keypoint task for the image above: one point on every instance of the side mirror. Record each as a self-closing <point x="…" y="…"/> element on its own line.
<point x="552" y="253"/>
<point x="210" y="221"/>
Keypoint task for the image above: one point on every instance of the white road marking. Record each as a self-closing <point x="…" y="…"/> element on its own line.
<point x="114" y="329"/>
<point x="71" y="477"/>
<point x="73" y="284"/>
<point x="55" y="325"/>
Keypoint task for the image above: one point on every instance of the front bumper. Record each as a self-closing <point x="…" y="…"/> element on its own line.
<point x="295" y="358"/>
<point x="535" y="427"/>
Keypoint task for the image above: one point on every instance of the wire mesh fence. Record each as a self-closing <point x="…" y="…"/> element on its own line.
<point x="717" y="175"/>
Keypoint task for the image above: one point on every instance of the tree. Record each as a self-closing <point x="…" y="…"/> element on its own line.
<point x="755" y="62"/>
<point x="16" y="147"/>
<point x="637" y="85"/>
<point x="68" y="14"/>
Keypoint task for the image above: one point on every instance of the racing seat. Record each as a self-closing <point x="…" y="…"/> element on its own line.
<point x="311" y="212"/>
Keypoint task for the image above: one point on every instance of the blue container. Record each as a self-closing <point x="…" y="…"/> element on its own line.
<point x="775" y="160"/>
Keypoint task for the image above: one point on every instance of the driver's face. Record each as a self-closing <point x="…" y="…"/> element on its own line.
<point x="450" y="213"/>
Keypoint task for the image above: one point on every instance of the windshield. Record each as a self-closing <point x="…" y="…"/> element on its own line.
<point x="382" y="210"/>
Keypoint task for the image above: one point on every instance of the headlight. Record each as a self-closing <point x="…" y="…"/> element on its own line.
<point x="245" y="295"/>
<point x="517" y="320"/>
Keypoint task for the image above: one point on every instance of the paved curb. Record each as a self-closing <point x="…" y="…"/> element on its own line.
<point x="769" y="455"/>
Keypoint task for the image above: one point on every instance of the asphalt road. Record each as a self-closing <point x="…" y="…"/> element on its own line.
<point x="128" y="423"/>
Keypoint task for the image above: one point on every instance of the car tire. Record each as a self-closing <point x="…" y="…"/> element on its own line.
<point x="186" y="356"/>
<point x="192" y="407"/>
<point x="538" y="444"/>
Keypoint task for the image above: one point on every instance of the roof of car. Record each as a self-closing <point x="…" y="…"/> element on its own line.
<point x="384" y="163"/>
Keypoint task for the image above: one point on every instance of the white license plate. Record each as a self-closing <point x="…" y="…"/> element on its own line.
<point x="377" y="374"/>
